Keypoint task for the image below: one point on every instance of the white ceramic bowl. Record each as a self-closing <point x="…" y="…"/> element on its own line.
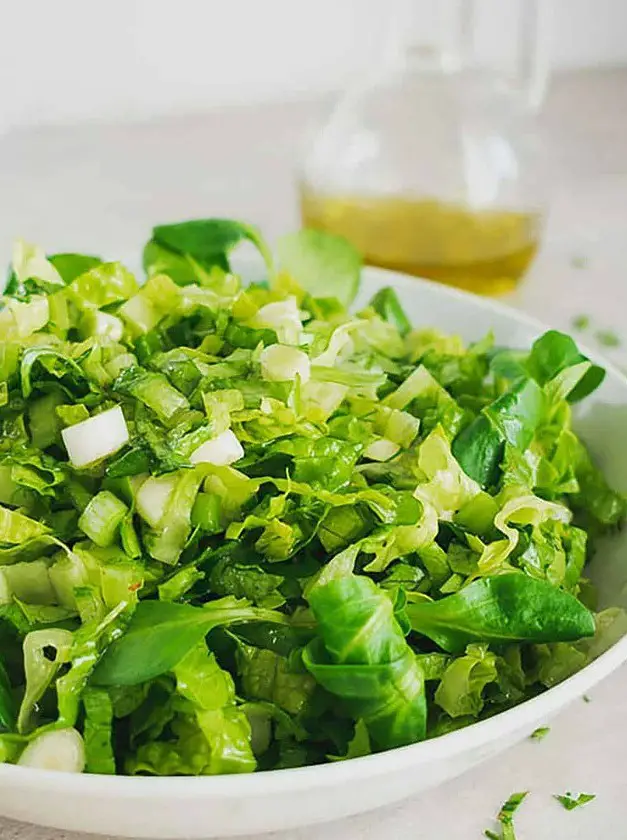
<point x="231" y="805"/>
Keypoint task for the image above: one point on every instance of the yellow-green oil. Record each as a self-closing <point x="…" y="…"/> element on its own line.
<point x="484" y="251"/>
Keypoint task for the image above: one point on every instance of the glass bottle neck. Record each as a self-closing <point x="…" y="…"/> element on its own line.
<point x="439" y="37"/>
<point x="433" y="36"/>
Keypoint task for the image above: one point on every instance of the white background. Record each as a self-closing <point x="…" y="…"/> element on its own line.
<point x="66" y="60"/>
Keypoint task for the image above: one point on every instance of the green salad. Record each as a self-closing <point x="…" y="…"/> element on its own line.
<point x="244" y="529"/>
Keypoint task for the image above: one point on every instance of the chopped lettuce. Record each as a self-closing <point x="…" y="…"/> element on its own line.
<point x="245" y="528"/>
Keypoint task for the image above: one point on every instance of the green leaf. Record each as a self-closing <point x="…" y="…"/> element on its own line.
<point x="161" y="633"/>
<point x="506" y="608"/>
<point x="209" y="241"/>
<point x="180" y="267"/>
<point x="98" y="731"/>
<point x="71" y="266"/>
<point x="540" y="733"/>
<point x="207" y="743"/>
<point x="323" y="264"/>
<point x="358" y="746"/>
<point x="512" y="418"/>
<point x="103" y="285"/>
<point x="552" y="353"/>
<point x="7" y="705"/>
<point x="460" y="692"/>
<point x="231" y="576"/>
<point x="16" y="529"/>
<point x="570" y="802"/>
<point x="153" y="390"/>
<point x="361" y="656"/>
<point x="387" y="305"/>
<point x="41" y="364"/>
<point x="88" y="643"/>
<point x="602" y="507"/>
<point x="266" y="675"/>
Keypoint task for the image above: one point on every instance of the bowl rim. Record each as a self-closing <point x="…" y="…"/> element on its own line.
<point x="319" y="776"/>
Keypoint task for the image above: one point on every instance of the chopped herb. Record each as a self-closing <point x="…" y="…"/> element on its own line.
<point x="581" y="322"/>
<point x="608" y="338"/>
<point x="540" y="733"/>
<point x="571" y="802"/>
<point x="586" y="699"/>
<point x="506" y="814"/>
<point x="506" y="817"/>
<point x="579" y="261"/>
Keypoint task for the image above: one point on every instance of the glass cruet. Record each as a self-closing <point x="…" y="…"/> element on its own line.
<point x="433" y="165"/>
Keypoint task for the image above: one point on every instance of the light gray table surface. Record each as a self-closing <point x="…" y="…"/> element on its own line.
<point x="101" y="187"/>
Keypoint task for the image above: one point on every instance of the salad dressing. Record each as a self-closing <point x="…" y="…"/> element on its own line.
<point x="481" y="251"/>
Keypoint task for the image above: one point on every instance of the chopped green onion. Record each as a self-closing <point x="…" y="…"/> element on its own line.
<point x="102" y="518"/>
<point x="62" y="750"/>
<point x="540" y="733"/>
<point x="221" y="451"/>
<point x="96" y="438"/>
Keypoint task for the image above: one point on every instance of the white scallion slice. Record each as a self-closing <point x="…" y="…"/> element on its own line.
<point x="95" y="438"/>
<point x="221" y="451"/>
<point x="283" y="317"/>
<point x="323" y="398"/>
<point x="381" y="450"/>
<point x="103" y="324"/>
<point x="61" y="749"/>
<point x="283" y="364"/>
<point x="153" y="496"/>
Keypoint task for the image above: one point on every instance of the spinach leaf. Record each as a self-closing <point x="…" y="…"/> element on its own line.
<point x="181" y="268"/>
<point x="508" y="364"/>
<point x="479" y="450"/>
<point x="361" y="656"/>
<point x="323" y="264"/>
<point x="208" y="241"/>
<point x="512" y="418"/>
<point x="161" y="633"/>
<point x="504" y="608"/>
<point x="600" y="507"/>
<point x="71" y="266"/>
<point x="552" y="353"/>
